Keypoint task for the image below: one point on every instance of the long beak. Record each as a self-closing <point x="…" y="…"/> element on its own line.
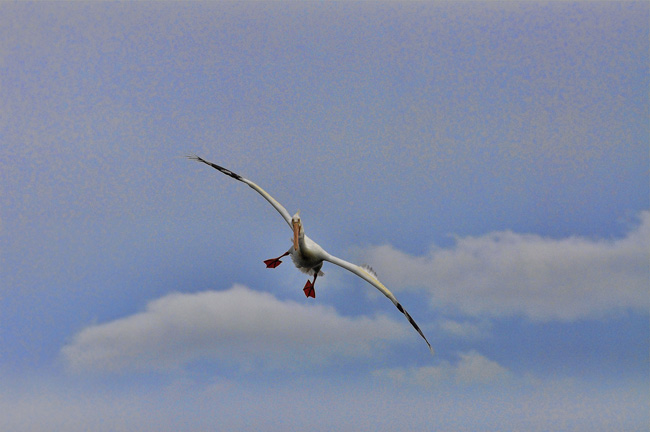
<point x="296" y="231"/>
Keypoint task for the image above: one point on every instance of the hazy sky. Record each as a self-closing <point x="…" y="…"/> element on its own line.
<point x="489" y="160"/>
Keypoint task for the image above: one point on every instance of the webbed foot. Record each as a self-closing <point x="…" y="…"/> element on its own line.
<point x="309" y="289"/>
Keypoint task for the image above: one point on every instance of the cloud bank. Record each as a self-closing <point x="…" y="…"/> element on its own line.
<point x="472" y="368"/>
<point x="238" y="325"/>
<point x="504" y="273"/>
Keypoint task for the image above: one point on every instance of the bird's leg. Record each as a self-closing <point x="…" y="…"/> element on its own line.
<point x="309" y="289"/>
<point x="274" y="262"/>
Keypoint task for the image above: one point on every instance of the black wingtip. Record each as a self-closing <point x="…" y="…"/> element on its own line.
<point x="226" y="171"/>
<point x="415" y="326"/>
<point x="195" y="158"/>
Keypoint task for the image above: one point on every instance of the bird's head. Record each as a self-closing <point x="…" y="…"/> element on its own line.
<point x="296" y="225"/>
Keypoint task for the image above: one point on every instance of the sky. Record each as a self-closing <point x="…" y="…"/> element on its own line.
<point x="489" y="160"/>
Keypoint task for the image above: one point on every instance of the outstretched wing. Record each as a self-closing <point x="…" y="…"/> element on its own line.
<point x="372" y="279"/>
<point x="285" y="214"/>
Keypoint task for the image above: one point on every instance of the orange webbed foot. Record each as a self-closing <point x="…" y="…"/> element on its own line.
<point x="272" y="263"/>
<point x="309" y="289"/>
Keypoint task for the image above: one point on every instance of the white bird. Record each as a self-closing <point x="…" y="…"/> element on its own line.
<point x="307" y="255"/>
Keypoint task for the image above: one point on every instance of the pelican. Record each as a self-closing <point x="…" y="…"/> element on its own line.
<point x="307" y="255"/>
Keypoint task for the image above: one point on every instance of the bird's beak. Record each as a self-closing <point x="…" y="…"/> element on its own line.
<point x="296" y="231"/>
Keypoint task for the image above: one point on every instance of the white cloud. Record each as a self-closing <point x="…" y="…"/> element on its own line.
<point x="238" y="325"/>
<point x="465" y="329"/>
<point x="471" y="368"/>
<point x="505" y="273"/>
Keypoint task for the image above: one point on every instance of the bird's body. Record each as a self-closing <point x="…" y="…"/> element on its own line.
<point x="307" y="255"/>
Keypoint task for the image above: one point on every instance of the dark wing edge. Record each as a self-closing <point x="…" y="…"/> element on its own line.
<point x="276" y="205"/>
<point x="215" y="166"/>
<point x="414" y="324"/>
<point x="372" y="280"/>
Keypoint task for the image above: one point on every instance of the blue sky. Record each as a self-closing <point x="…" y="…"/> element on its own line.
<point x="489" y="160"/>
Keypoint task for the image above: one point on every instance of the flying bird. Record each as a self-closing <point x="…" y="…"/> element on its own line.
<point x="307" y="255"/>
